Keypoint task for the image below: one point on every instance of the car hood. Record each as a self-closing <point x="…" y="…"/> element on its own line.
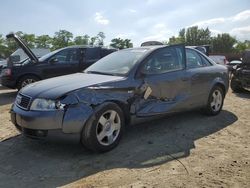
<point x="54" y="88"/>
<point x="24" y="46"/>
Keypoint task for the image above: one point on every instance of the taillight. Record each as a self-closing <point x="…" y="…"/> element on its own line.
<point x="6" y="72"/>
<point x="225" y="61"/>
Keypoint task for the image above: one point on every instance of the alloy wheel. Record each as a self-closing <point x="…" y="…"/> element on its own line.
<point x="27" y="82"/>
<point x="216" y="100"/>
<point x="108" y="127"/>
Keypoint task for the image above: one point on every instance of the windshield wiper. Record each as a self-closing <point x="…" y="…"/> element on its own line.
<point x="97" y="72"/>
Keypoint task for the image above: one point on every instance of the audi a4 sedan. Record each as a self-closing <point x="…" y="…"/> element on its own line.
<point x="127" y="84"/>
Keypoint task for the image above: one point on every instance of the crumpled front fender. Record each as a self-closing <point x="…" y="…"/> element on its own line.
<point x="77" y="114"/>
<point x="75" y="117"/>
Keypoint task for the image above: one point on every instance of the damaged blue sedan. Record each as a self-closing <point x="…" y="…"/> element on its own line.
<point x="136" y="82"/>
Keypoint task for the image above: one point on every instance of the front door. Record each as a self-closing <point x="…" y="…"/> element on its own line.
<point x="167" y="86"/>
<point x="64" y="62"/>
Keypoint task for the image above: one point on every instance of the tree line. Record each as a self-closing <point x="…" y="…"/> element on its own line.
<point x="61" y="39"/>
<point x="221" y="43"/>
<point x="192" y="36"/>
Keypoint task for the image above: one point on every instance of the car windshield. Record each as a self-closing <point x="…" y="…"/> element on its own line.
<point x="48" y="55"/>
<point x="117" y="63"/>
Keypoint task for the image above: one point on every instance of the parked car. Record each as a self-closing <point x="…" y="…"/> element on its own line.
<point x="219" y="59"/>
<point x="233" y="63"/>
<point x="136" y="82"/>
<point x="241" y="74"/>
<point x="60" y="62"/>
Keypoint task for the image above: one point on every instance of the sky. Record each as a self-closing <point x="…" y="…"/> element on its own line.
<point x="138" y="20"/>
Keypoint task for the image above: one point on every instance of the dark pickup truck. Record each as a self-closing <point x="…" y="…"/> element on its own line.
<point x="60" y="62"/>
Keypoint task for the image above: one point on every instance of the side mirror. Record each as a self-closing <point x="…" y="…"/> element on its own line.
<point x="53" y="60"/>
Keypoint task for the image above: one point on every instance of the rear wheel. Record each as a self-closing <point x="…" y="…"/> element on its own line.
<point x="236" y="85"/>
<point x="215" y="101"/>
<point x="104" y="129"/>
<point x="26" y="80"/>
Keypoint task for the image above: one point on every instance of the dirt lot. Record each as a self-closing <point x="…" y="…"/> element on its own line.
<point x="184" y="150"/>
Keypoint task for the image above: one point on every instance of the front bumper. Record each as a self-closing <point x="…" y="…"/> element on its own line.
<point x="38" y="120"/>
<point x="70" y="120"/>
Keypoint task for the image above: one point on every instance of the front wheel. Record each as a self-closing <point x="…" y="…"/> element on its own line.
<point x="215" y="101"/>
<point x="26" y="80"/>
<point x="104" y="129"/>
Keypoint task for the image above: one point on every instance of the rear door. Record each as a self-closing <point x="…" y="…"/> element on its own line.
<point x="166" y="84"/>
<point x="201" y="74"/>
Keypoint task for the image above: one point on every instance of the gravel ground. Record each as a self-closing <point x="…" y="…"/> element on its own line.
<point x="183" y="150"/>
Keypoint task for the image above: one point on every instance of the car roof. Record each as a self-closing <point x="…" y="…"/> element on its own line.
<point x="149" y="47"/>
<point x="88" y="46"/>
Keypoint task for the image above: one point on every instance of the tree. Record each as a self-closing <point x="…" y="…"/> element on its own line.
<point x="175" y="40"/>
<point x="92" y="40"/>
<point x="11" y="45"/>
<point x="29" y="39"/>
<point x="205" y="36"/>
<point x="193" y="36"/>
<point x="180" y="39"/>
<point x="43" y="41"/>
<point x="100" y="38"/>
<point x="182" y="35"/>
<point x="223" y="43"/>
<point x="61" y="39"/>
<point x="121" y="43"/>
<point x="3" y="48"/>
<point x="196" y="36"/>
<point x="81" y="40"/>
<point x="242" y="46"/>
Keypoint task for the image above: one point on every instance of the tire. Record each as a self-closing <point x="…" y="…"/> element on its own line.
<point x="236" y="85"/>
<point x="104" y="129"/>
<point x="26" y="80"/>
<point x="215" y="101"/>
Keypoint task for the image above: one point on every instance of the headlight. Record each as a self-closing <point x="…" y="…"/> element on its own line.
<point x="43" y="105"/>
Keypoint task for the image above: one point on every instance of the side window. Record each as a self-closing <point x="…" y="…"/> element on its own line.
<point x="67" y="56"/>
<point x="164" y="60"/>
<point x="205" y="61"/>
<point x="193" y="59"/>
<point x="92" y="53"/>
